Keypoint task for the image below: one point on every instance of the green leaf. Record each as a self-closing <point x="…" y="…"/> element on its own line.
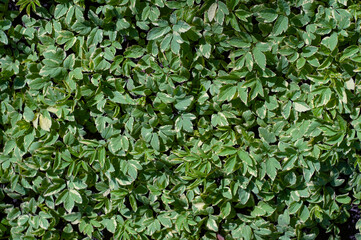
<point x="54" y="189"/>
<point x="244" y="156"/>
<point x="271" y="167"/>
<point x="280" y="26"/>
<point x="349" y="52"/>
<point x="165" y="220"/>
<point x="301" y="107"/>
<point x="326" y="63"/>
<point x="212" y="11"/>
<point x="249" y="61"/>
<point x="294" y="207"/>
<point x="268" y="15"/>
<point x="45" y="123"/>
<point x="229" y="167"/>
<point x="155" y="143"/>
<point x="60" y="10"/>
<point x="165" y="44"/>
<point x="122" y="24"/>
<point x="101" y="156"/>
<point x="183" y="104"/>
<point x="331" y="41"/>
<point x="68" y="202"/>
<point x="344" y="199"/>
<point x="350" y="84"/>
<point x="175" y="46"/>
<point x="304" y="214"/>
<point x="95" y="37"/>
<point x="266" y="135"/>
<point x="153" y="227"/>
<point x="3" y="37"/>
<point x="110" y="224"/>
<point x="212" y="224"/>
<point x="28" y="114"/>
<point x="75" y="196"/>
<point x="157" y="32"/>
<point x="134" y="52"/>
<point x="5" y="24"/>
<point x="181" y="27"/>
<point x="185" y="122"/>
<point x="300" y="63"/>
<point x="358" y="224"/>
<point x="77" y="72"/>
<point x="226" y="210"/>
<point x="69" y="61"/>
<point x="227" y="92"/>
<point x="259" y="58"/>
<point x="205" y="50"/>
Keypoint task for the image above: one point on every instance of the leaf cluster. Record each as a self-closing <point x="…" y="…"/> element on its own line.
<point x="189" y="119"/>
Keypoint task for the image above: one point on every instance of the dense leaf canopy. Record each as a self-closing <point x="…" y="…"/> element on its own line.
<point x="186" y="119"/>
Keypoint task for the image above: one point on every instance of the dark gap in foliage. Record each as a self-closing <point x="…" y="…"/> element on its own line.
<point x="70" y="51"/>
<point x="46" y="4"/>
<point x="201" y="188"/>
<point x="344" y="184"/>
<point x="322" y="235"/>
<point x="296" y="10"/>
<point x="93" y="189"/>
<point x="136" y="60"/>
<point x="127" y="203"/>
<point x="119" y="52"/>
<point x="2" y="215"/>
<point x="53" y="115"/>
<point x="219" y="178"/>
<point x="222" y="158"/>
<point x="202" y="232"/>
<point x="18" y="19"/>
<point x="304" y="81"/>
<point x="348" y="229"/>
<point x="347" y="118"/>
<point x="254" y="129"/>
<point x="306" y="230"/>
<point x="88" y="4"/>
<point x="60" y="225"/>
<point x="106" y="234"/>
<point x="161" y="206"/>
<point x="14" y="201"/>
<point x="216" y="210"/>
<point x="255" y="25"/>
<point x="26" y="155"/>
<point x="76" y="208"/>
<point x="128" y="41"/>
<point x="76" y="229"/>
<point x="244" y="211"/>
<point x="149" y="99"/>
<point x="12" y="6"/>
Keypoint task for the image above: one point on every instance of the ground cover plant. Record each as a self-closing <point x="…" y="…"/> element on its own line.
<point x="187" y="119"/>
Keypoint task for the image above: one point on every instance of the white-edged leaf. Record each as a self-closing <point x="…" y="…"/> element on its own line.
<point x="331" y="41"/>
<point x="259" y="58"/>
<point x="75" y="195"/>
<point x="45" y="123"/>
<point x="157" y="32"/>
<point x="301" y="107"/>
<point x="212" y="224"/>
<point x="281" y="25"/>
<point x="350" y="84"/>
<point x="212" y="11"/>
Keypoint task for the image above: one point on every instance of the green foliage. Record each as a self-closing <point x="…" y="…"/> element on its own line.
<point x="179" y="119"/>
<point x="28" y="5"/>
